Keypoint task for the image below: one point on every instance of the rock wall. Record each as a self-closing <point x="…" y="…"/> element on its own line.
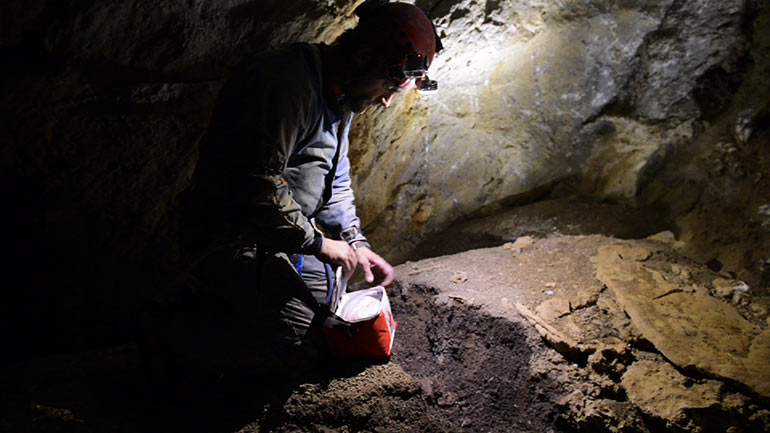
<point x="634" y="99"/>
<point x="659" y="102"/>
<point x="106" y="101"/>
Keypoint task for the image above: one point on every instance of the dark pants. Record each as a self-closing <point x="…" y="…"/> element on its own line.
<point x="285" y="308"/>
<point x="240" y="310"/>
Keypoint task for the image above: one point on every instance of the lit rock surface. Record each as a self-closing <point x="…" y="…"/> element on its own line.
<point x="689" y="327"/>
<point x="658" y="389"/>
<point x="637" y="319"/>
<point x="533" y="93"/>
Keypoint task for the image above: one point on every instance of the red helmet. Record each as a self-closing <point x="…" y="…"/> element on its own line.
<point x="404" y="36"/>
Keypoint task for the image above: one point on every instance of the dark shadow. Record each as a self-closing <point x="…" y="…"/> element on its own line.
<point x="209" y="355"/>
<point x="474" y="369"/>
<point x="568" y="216"/>
<point x="198" y="362"/>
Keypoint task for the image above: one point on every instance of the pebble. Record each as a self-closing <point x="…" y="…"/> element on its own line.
<point x="449" y="399"/>
<point x="759" y="310"/>
<point x="459" y="277"/>
<point x="723" y="288"/>
<point x="523" y="242"/>
<point x="741" y="298"/>
<point x="742" y="287"/>
<point x="686" y="274"/>
<point x="549" y="292"/>
<point x="667" y="237"/>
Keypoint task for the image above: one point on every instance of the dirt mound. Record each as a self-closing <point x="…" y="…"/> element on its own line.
<point x="602" y="368"/>
<point x="475" y="369"/>
<point x="381" y="398"/>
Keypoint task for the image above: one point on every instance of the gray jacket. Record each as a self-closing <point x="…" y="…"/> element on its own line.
<point x="275" y="157"/>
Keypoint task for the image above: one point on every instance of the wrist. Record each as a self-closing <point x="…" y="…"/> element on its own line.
<point x="356" y="245"/>
<point x="316" y="246"/>
<point x="353" y="236"/>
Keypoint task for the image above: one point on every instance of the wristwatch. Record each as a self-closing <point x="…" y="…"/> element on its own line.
<point x="354" y="238"/>
<point x="351" y="234"/>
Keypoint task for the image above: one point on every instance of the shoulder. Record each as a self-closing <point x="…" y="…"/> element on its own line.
<point x="277" y="87"/>
<point x="294" y="72"/>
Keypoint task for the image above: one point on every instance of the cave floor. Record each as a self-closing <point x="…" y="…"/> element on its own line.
<point x="571" y="349"/>
<point x="546" y="332"/>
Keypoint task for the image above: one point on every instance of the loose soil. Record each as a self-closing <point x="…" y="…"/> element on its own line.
<point x="518" y="337"/>
<point x="474" y="369"/>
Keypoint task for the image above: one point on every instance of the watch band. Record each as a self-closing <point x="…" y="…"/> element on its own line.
<point x="351" y="234"/>
<point x="360" y="244"/>
<point x="354" y="238"/>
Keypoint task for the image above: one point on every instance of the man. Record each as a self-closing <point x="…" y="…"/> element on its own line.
<point x="272" y="189"/>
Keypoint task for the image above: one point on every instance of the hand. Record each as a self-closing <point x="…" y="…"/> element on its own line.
<point x="376" y="269"/>
<point x="339" y="253"/>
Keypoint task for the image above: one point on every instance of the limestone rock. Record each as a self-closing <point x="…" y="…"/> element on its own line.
<point x="725" y="288"/>
<point x="553" y="308"/>
<point x="635" y="253"/>
<point x="759" y="310"/>
<point x="523" y="242"/>
<point x="616" y="166"/>
<point x="584" y="297"/>
<point x="560" y="341"/>
<point x="667" y="237"/>
<point x="519" y="244"/>
<point x="600" y="415"/>
<point x="742" y="299"/>
<point x="693" y="330"/>
<point x="610" y="358"/>
<point x="617" y="318"/>
<point x="662" y="392"/>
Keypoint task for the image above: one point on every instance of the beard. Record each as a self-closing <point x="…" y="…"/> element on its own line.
<point x="358" y="105"/>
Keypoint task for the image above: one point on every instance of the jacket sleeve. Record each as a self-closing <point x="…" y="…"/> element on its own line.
<point x="339" y="212"/>
<point x="275" y="221"/>
<point x="275" y="114"/>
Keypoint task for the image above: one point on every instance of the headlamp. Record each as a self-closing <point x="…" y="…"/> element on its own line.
<point x="426" y="85"/>
<point x="414" y="67"/>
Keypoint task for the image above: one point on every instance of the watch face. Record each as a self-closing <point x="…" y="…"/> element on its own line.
<point x="349" y="235"/>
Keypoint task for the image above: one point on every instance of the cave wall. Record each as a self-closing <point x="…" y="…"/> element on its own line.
<point x="657" y="102"/>
<point x="717" y="183"/>
<point x="105" y="102"/>
<point x="614" y="99"/>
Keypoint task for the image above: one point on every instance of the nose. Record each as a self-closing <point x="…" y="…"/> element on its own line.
<point x="387" y="100"/>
